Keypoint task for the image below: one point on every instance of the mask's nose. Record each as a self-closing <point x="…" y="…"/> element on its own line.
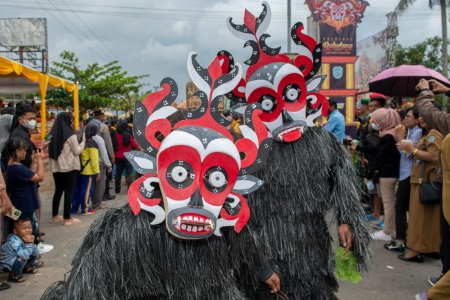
<point x="196" y="199"/>
<point x="286" y="117"/>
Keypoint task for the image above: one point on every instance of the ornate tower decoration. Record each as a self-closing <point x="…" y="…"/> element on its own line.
<point x="337" y="31"/>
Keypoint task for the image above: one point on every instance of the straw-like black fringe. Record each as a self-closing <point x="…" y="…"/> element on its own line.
<point x="304" y="180"/>
<point x="124" y="257"/>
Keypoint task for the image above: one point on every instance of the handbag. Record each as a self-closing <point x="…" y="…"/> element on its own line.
<point x="430" y="192"/>
<point x="372" y="139"/>
<point x="376" y="177"/>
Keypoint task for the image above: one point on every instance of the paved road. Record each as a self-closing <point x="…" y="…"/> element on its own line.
<point x="399" y="281"/>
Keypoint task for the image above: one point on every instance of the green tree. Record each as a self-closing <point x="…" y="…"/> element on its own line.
<point x="427" y="53"/>
<point x="403" y="6"/>
<point x="98" y="84"/>
<point x="126" y="102"/>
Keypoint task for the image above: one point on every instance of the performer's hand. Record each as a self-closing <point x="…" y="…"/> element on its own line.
<point x="274" y="283"/>
<point x="346" y="236"/>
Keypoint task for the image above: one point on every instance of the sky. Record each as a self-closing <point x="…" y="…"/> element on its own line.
<point x="155" y="37"/>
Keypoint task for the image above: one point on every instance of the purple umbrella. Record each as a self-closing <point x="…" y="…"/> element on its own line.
<point x="402" y="81"/>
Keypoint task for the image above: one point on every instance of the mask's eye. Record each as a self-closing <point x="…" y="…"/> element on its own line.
<point x="291" y="93"/>
<point x="180" y="174"/>
<point x="215" y="179"/>
<point x="268" y="103"/>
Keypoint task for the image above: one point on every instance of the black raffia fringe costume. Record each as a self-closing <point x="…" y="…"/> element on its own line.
<point x="124" y="257"/>
<point x="304" y="180"/>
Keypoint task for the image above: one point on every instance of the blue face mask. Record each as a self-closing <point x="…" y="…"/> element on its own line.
<point x="375" y="126"/>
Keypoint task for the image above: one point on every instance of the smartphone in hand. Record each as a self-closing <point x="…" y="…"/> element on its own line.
<point x="347" y="142"/>
<point x="48" y="138"/>
<point x="15" y="214"/>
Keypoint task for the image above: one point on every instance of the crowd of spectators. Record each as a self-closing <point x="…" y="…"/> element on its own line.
<point x="398" y="152"/>
<point x="81" y="163"/>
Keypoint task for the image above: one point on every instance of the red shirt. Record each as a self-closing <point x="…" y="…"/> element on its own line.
<point x="121" y="149"/>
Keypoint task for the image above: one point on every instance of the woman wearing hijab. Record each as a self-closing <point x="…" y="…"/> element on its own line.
<point x="125" y="143"/>
<point x="5" y="129"/>
<point x="385" y="168"/>
<point x="423" y="226"/>
<point x="89" y="172"/>
<point x="64" y="152"/>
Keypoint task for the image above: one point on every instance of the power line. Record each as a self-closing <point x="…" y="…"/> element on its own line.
<point x="99" y="39"/>
<point x="69" y="30"/>
<point x="87" y="38"/>
<point x="171" y="9"/>
<point x="203" y="17"/>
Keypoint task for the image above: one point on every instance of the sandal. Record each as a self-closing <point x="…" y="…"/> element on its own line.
<point x="4" y="286"/>
<point x="17" y="278"/>
<point x="37" y="264"/>
<point x="72" y="221"/>
<point x="103" y="207"/>
<point x="29" y="270"/>
<point x="56" y="219"/>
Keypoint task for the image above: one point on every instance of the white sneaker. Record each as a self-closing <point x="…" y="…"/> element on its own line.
<point x="44" y="248"/>
<point x="381" y="236"/>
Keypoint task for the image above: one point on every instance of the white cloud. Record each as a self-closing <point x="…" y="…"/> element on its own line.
<point x="156" y="38"/>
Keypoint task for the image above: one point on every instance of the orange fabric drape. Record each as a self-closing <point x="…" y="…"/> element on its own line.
<point x="9" y="68"/>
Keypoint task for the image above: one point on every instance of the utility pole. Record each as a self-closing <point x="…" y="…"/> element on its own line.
<point x="392" y="33"/>
<point x="117" y="113"/>
<point x="289" y="26"/>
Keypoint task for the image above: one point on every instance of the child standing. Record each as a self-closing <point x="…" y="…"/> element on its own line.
<point x="22" y="180"/>
<point x="90" y="171"/>
<point x="19" y="254"/>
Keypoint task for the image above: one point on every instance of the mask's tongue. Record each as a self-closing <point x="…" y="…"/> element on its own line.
<point x="292" y="136"/>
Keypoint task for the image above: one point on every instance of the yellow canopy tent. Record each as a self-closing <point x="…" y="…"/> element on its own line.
<point x="16" y="78"/>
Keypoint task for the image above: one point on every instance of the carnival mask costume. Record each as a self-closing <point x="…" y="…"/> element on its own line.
<point x="167" y="243"/>
<point x="308" y="172"/>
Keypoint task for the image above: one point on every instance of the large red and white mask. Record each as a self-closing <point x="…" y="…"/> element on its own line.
<point x="194" y="179"/>
<point x="288" y="93"/>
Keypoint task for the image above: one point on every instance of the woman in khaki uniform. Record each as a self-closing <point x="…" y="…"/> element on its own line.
<point x="423" y="225"/>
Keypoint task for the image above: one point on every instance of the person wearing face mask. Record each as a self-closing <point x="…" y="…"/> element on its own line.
<point x="385" y="167"/>
<point x="23" y="123"/>
<point x="370" y="138"/>
<point x="410" y="123"/>
<point x="26" y="121"/>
